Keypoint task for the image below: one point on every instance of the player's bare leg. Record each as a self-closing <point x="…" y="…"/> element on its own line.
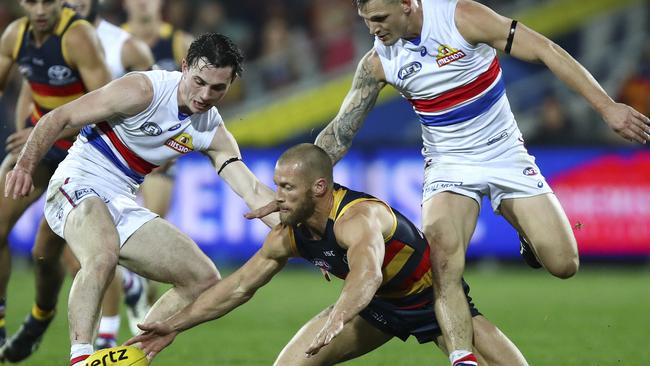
<point x="177" y="260"/>
<point x="357" y="338"/>
<point x="93" y="238"/>
<point x="25" y="341"/>
<point x="109" y="324"/>
<point x="493" y="347"/>
<point x="546" y="227"/>
<point x="449" y="220"/>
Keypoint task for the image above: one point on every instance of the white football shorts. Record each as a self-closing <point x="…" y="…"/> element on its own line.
<point x="513" y="175"/>
<point x="64" y="194"/>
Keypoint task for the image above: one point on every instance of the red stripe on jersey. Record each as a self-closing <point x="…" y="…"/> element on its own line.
<point x="460" y="94"/>
<point x="58" y="90"/>
<point x="138" y="164"/>
<point x="392" y="248"/>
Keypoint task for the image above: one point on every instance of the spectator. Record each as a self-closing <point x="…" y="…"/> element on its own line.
<point x="555" y="127"/>
<point x="636" y="89"/>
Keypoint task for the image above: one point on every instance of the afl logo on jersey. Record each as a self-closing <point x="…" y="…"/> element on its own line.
<point x="409" y="70"/>
<point x="530" y="171"/>
<point x="59" y="74"/>
<point x="151" y="129"/>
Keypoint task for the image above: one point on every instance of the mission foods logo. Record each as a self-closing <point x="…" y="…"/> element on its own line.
<point x="447" y="55"/>
<point x="181" y="143"/>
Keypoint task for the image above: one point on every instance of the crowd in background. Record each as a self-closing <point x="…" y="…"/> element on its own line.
<point x="287" y="42"/>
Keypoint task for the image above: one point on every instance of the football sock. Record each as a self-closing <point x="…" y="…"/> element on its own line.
<point x="463" y="358"/>
<point x="41" y="314"/>
<point x="79" y="353"/>
<point x="109" y="326"/>
<point x="3" y="332"/>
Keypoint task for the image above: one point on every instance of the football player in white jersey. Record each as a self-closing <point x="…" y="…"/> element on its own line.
<point x="452" y="42"/>
<point x="123" y="53"/>
<point x="140" y="121"/>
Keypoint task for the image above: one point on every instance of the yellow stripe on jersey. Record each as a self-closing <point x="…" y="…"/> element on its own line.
<point x="51" y="102"/>
<point x="423" y="284"/>
<point x="292" y="243"/>
<point x="64" y="19"/>
<point x="22" y="27"/>
<point x="338" y="197"/>
<point x="166" y="30"/>
<point x="396" y="264"/>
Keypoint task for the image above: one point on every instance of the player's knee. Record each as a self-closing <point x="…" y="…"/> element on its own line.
<point x="202" y="279"/>
<point x="101" y="265"/>
<point x="566" y="268"/>
<point x="442" y="240"/>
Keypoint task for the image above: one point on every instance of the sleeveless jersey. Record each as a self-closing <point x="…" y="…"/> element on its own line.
<point x="456" y="89"/>
<point x="406" y="268"/>
<point x="164" y="49"/>
<point x="112" y="39"/>
<point x="53" y="80"/>
<point x="128" y="148"/>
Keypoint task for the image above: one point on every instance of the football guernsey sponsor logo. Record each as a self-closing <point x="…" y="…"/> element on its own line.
<point x="181" y="143"/>
<point x="409" y="70"/>
<point x="447" y="55"/>
<point x="59" y="74"/>
<point x="320" y="263"/>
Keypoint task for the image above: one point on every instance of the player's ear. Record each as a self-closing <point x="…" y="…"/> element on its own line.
<point x="184" y="65"/>
<point x="320" y="187"/>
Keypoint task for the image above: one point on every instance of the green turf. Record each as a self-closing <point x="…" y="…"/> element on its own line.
<point x="600" y="317"/>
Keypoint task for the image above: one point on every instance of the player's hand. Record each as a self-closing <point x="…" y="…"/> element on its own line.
<point x="263" y="211"/>
<point x="331" y="329"/>
<point x="18" y="183"/>
<point x="17" y="140"/>
<point x="154" y="339"/>
<point x="628" y="123"/>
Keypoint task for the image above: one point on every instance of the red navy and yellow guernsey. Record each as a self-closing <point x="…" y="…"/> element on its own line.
<point x="53" y="80"/>
<point x="403" y="304"/>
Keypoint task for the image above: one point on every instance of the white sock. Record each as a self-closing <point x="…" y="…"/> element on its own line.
<point x="458" y="354"/>
<point x="79" y="352"/>
<point x="109" y="326"/>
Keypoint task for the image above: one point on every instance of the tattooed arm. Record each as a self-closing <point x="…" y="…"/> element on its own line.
<point x="368" y="81"/>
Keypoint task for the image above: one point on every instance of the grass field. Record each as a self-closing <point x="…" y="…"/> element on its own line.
<point x="600" y="317"/>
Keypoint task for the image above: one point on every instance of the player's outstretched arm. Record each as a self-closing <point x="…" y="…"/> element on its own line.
<point x="226" y="159"/>
<point x="479" y="24"/>
<point x="221" y="298"/>
<point x="336" y="137"/>
<point x="362" y="230"/>
<point x="126" y="96"/>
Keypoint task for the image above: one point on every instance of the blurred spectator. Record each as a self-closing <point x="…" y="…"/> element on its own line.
<point x="212" y="16"/>
<point x="636" y="89"/>
<point x="332" y="27"/>
<point x="555" y="125"/>
<point x="286" y="55"/>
